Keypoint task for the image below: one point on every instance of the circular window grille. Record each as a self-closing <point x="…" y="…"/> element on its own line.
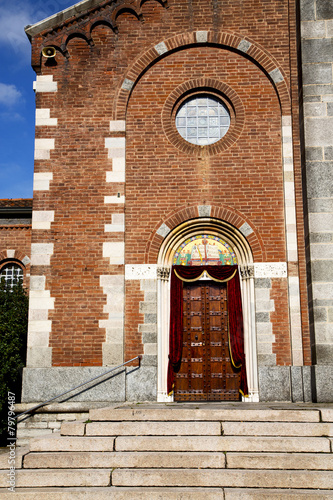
<point x="11" y="273"/>
<point x="202" y="120"/>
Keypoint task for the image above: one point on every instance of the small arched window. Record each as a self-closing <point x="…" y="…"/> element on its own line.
<point x="11" y="273"/>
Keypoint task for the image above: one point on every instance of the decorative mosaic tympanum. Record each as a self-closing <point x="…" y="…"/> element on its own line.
<point x="203" y="250"/>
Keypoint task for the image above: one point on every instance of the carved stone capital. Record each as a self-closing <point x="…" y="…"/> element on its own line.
<point x="163" y="273"/>
<point x="247" y="272"/>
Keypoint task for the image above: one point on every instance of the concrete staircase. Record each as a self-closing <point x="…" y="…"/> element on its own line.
<point x="193" y="451"/>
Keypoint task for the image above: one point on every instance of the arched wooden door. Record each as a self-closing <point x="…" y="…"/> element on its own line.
<point x="206" y="372"/>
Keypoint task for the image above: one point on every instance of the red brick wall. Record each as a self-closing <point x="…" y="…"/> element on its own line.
<point x="133" y="318"/>
<point x="280" y="322"/>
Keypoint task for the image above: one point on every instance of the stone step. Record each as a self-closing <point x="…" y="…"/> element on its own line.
<point x="223" y="444"/>
<point x="327" y="415"/>
<point x="7" y="456"/>
<point x="167" y="493"/>
<point x="276" y="429"/>
<point x="190" y="428"/>
<point x="73" y="428"/>
<point x="225" y="452"/>
<point x="59" y="443"/>
<point x="276" y="494"/>
<point x="223" y="478"/>
<point x="139" y="459"/>
<point x="115" y="493"/>
<point x="197" y="414"/>
<point x="153" y="429"/>
<point x="200" y="460"/>
<point x="307" y="461"/>
<point x="29" y="478"/>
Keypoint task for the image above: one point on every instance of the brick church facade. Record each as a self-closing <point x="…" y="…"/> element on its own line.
<point x="180" y="132"/>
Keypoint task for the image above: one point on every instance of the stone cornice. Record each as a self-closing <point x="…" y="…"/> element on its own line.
<point x="79" y="21"/>
<point x="66" y="16"/>
<point x="83" y="13"/>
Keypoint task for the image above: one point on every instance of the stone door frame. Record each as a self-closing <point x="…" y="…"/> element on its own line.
<point x="243" y="252"/>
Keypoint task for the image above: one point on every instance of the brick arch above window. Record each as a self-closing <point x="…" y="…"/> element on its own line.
<point x="210" y="87"/>
<point x="9" y="255"/>
<point x="216" y="213"/>
<point x="224" y="40"/>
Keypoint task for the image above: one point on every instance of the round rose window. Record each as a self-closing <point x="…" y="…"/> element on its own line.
<point x="202" y="119"/>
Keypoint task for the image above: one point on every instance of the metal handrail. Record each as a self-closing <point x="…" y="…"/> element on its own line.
<point x="73" y="388"/>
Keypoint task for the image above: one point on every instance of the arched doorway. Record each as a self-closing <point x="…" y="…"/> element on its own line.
<point x="226" y="245"/>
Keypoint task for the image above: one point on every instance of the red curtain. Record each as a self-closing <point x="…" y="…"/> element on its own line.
<point x="236" y="336"/>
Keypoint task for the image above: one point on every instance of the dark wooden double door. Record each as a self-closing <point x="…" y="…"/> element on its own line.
<point x="206" y="372"/>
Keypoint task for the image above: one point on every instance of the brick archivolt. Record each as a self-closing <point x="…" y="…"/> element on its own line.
<point x="16" y="255"/>
<point x="224" y="40"/>
<point x="182" y="92"/>
<point x="222" y="220"/>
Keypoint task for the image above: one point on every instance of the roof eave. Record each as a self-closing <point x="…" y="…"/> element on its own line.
<point x="60" y="17"/>
<point x="15" y="211"/>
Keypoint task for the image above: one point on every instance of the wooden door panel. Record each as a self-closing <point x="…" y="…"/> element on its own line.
<point x="194" y="336"/>
<point x="215" y="299"/>
<point x="206" y="372"/>
<point x="191" y="372"/>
